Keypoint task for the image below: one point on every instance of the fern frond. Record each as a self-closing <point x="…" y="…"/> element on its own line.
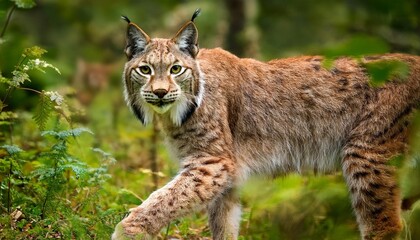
<point x="67" y="133"/>
<point x="43" y="111"/>
<point x="11" y="149"/>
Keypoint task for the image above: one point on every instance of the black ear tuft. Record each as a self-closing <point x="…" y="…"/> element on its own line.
<point x="187" y="39"/>
<point x="125" y="18"/>
<point x="137" y="40"/>
<point x="196" y="14"/>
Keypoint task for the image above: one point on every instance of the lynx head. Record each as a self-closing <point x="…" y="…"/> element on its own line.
<point x="162" y="76"/>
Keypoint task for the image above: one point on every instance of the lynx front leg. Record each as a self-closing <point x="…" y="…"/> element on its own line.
<point x="374" y="192"/>
<point x="201" y="181"/>
<point x="224" y="216"/>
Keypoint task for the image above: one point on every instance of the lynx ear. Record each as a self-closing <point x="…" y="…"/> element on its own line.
<point x="137" y="39"/>
<point x="187" y="39"/>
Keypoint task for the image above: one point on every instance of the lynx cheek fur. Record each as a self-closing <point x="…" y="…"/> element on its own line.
<point x="228" y="118"/>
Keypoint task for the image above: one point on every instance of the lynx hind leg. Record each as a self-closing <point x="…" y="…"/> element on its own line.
<point x="224" y="216"/>
<point x="374" y="190"/>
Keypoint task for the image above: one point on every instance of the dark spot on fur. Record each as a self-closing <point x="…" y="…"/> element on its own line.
<point x="200" y="134"/>
<point x="359" y="175"/>
<point x="376" y="210"/>
<point x="335" y="71"/>
<point x="367" y="166"/>
<point x="356" y="155"/>
<point x="171" y="203"/>
<point x="377" y="172"/>
<point x="182" y="146"/>
<point x="224" y="168"/>
<point x="358" y="86"/>
<point x="368" y="193"/>
<point x="176" y="136"/>
<point x="187" y="174"/>
<point x="385" y="219"/>
<point x="358" y="204"/>
<point x="343" y="81"/>
<point x="305" y="87"/>
<point x="212" y="161"/>
<point x="204" y="171"/>
<point x="191" y="130"/>
<point x="199" y="195"/>
<point x="216" y="183"/>
<point x="316" y="67"/>
<point x="374" y="161"/>
<point x="377" y="201"/>
<point x="375" y="185"/>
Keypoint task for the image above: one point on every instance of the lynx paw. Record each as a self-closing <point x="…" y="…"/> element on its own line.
<point x="121" y="234"/>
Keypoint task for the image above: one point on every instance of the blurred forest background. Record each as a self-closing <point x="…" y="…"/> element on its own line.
<point x="73" y="159"/>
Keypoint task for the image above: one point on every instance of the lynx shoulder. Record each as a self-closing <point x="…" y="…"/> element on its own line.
<point x="228" y="118"/>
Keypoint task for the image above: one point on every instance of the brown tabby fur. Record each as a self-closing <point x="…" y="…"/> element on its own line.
<point x="232" y="118"/>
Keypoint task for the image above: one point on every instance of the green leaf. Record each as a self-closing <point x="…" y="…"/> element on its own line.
<point x="11" y="149"/>
<point x="19" y="77"/>
<point x="24" y="3"/>
<point x="4" y="79"/>
<point x="105" y="155"/>
<point x="381" y="72"/>
<point x="34" y="52"/>
<point x="78" y="169"/>
<point x="43" y="111"/>
<point x="8" y="115"/>
<point x="39" y="65"/>
<point x="67" y="133"/>
<point x="396" y="161"/>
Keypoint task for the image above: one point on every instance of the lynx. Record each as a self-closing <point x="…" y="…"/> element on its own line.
<point x="227" y="118"/>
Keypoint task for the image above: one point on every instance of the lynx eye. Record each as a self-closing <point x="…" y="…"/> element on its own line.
<point x="175" y="69"/>
<point x="145" y="70"/>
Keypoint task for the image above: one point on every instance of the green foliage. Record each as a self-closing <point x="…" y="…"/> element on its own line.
<point x="34" y="52"/>
<point x="24" y="3"/>
<point x="47" y="189"/>
<point x="12" y="150"/>
<point x="43" y="111"/>
<point x="29" y="60"/>
<point x="381" y="72"/>
<point x="56" y="172"/>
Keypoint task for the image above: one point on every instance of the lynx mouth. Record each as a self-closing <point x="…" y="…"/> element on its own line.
<point x="161" y="106"/>
<point x="161" y="103"/>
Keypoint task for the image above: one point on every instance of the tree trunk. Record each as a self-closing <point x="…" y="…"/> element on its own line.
<point x="235" y="41"/>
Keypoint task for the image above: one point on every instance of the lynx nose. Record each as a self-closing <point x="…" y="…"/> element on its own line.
<point x="160" y="92"/>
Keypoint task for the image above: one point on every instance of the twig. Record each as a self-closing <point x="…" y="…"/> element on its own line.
<point x="167" y="231"/>
<point x="9" y="15"/>
<point x="29" y="89"/>
<point x="9" y="186"/>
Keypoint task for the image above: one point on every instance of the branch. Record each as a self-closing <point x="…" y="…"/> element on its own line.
<point x="9" y="15"/>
